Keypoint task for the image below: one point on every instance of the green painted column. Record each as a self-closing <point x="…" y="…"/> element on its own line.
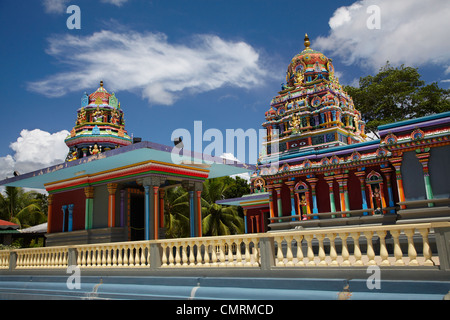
<point x="424" y="159"/>
<point x="89" y="209"/>
<point x="330" y="189"/>
<point x="279" y="205"/>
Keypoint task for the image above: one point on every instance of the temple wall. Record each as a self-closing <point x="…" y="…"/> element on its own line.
<point x="100" y="207"/>
<point x="75" y="197"/>
<point x="412" y="174"/>
<point x="439" y="168"/>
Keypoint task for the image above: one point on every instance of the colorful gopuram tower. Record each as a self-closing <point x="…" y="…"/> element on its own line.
<point x="318" y="170"/>
<point x="100" y="126"/>
<point x="312" y="111"/>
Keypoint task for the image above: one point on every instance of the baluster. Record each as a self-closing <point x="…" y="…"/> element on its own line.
<point x="310" y="252"/>
<point x="256" y="262"/>
<point x="222" y="254"/>
<point x="191" y="255"/>
<point x="206" y="255"/>
<point x="426" y="248"/>
<point x="280" y="256"/>
<point x="383" y="249"/>
<point x="247" y="253"/>
<point x="184" y="254"/>
<point x="370" y="251"/>
<point x="199" y="254"/>
<point x="356" y="249"/>
<point x="412" y="253"/>
<point x="164" y="255"/>
<point x="397" y="249"/>
<point x="345" y="254"/>
<point x="120" y="250"/>
<point x="137" y="257"/>
<point x="213" y="254"/>
<point x="289" y="255"/>
<point x="322" y="256"/>
<point x="299" y="252"/>
<point x="238" y="262"/>
<point x="83" y="256"/>
<point x="333" y="253"/>
<point x="143" y="258"/>
<point x="177" y="255"/>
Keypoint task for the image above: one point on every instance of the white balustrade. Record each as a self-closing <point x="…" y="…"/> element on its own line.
<point x="205" y="252"/>
<point x="36" y="258"/>
<point x="114" y="255"/>
<point x="390" y="245"/>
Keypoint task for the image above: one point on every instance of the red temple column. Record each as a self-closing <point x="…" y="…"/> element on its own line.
<point x="112" y="187"/>
<point x="396" y="161"/>
<point x="49" y="213"/>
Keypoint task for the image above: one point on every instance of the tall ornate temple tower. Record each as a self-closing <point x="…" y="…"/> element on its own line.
<point x="312" y="111"/>
<point x="100" y="125"/>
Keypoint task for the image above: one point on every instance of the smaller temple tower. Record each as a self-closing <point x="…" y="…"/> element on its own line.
<point x="100" y="126"/>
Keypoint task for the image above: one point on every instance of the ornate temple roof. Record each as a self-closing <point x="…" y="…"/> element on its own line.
<point x="312" y="110"/>
<point x="100" y="125"/>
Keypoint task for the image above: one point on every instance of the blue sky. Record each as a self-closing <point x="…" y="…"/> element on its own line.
<point x="174" y="62"/>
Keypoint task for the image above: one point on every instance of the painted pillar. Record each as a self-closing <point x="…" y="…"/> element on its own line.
<point x="331" y="194"/>
<point x="191" y="213"/>
<point x="161" y="208"/>
<point x="147" y="212"/>
<point x="272" y="213"/>
<point x="122" y="208"/>
<point x="89" y="210"/>
<point x="387" y="175"/>
<point x="70" y="218"/>
<point x="112" y="187"/>
<point x="155" y="211"/>
<point x="245" y="221"/>
<point x="291" y="189"/>
<point x="312" y="182"/>
<point x="362" y="183"/>
<point x="424" y="159"/>
<point x="64" y="208"/>
<point x="50" y="212"/>
<point x="397" y="163"/>
<point x="257" y="223"/>
<point x="198" y="212"/>
<point x="279" y="204"/>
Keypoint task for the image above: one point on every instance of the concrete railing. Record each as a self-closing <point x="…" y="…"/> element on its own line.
<point x="390" y="245"/>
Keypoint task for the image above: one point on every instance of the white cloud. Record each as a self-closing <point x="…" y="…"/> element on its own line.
<point x="115" y="2"/>
<point x="150" y="64"/>
<point x="412" y="32"/>
<point x="34" y="150"/>
<point x="55" y="6"/>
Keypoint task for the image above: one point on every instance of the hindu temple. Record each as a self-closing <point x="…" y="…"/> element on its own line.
<point x="318" y="169"/>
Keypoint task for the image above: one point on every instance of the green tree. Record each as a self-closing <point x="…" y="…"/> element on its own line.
<point x="217" y="219"/>
<point x="23" y="208"/>
<point x="176" y="210"/>
<point x="396" y="94"/>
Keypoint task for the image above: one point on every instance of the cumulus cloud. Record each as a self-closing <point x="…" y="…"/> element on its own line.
<point x="34" y="150"/>
<point x="411" y="32"/>
<point x="55" y="6"/>
<point x="150" y="64"/>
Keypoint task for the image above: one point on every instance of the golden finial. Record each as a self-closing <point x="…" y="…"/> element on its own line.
<point x="307" y="43"/>
<point x="101" y="83"/>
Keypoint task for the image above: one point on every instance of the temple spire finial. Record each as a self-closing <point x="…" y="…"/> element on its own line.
<point x="307" y="43"/>
<point x="101" y="83"/>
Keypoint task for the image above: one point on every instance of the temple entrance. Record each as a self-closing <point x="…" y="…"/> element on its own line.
<point x="136" y="215"/>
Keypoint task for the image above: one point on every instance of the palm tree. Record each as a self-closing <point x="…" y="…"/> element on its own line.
<point x="176" y="208"/>
<point x="217" y="219"/>
<point x="23" y="208"/>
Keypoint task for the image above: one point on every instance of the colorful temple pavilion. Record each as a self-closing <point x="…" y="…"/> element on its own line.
<point x="319" y="170"/>
<point x="111" y="188"/>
